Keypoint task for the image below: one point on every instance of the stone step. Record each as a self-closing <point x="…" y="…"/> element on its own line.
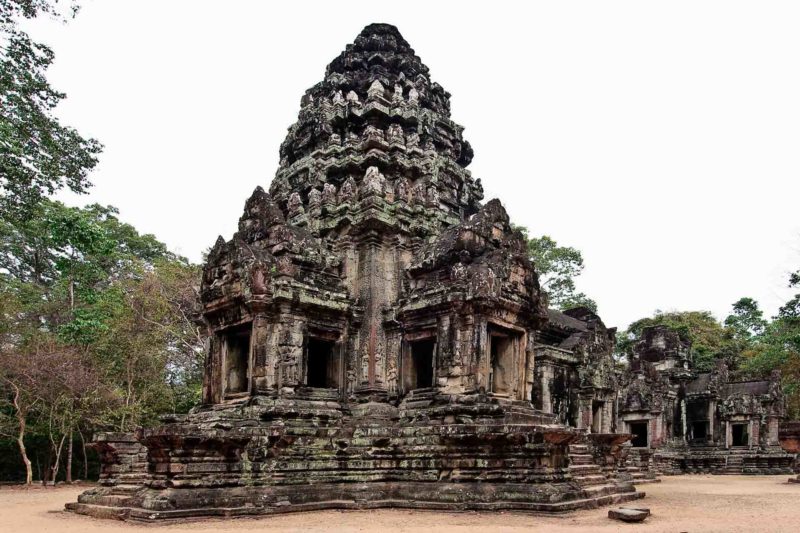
<point x="111" y="500"/>
<point x="125" y="489"/>
<point x="604" y="499"/>
<point x="99" y="511"/>
<point x="592" y="480"/>
<point x="585" y="468"/>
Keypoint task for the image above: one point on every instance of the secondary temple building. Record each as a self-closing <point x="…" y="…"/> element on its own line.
<point x="378" y="337"/>
<point x="687" y="421"/>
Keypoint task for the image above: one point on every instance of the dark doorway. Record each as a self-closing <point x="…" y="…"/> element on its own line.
<point x="237" y="360"/>
<point x="322" y="364"/>
<point x="418" y="368"/>
<point x="639" y="430"/>
<point x="699" y="431"/>
<point x="597" y="416"/>
<point x="739" y="435"/>
<point x="501" y="352"/>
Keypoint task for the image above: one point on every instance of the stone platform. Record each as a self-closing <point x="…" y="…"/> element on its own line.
<point x="273" y="456"/>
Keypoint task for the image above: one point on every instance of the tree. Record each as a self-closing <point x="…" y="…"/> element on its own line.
<point x="557" y="266"/>
<point x="38" y="155"/>
<point x="747" y="320"/>
<point x="115" y="310"/>
<point x="778" y="348"/>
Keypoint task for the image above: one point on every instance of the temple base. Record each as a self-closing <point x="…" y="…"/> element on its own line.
<point x="273" y="455"/>
<point x="262" y="501"/>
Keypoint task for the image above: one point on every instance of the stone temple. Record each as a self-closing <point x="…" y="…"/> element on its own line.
<point x="378" y="337"/>
<point x="684" y="421"/>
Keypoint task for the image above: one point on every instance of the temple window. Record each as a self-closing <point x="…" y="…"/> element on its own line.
<point x="237" y="360"/>
<point x="418" y="366"/>
<point x="639" y="430"/>
<point x="322" y="364"/>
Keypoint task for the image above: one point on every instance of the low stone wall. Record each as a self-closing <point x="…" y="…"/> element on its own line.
<point x="789" y="436"/>
<point x="123" y="459"/>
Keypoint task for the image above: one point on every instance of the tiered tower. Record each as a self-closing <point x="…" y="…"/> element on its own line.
<point x="375" y="167"/>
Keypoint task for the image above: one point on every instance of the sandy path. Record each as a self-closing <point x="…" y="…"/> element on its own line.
<point x="685" y="503"/>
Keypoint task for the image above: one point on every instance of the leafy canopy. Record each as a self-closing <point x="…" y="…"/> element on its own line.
<point x="38" y="155"/>
<point x="557" y="266"/>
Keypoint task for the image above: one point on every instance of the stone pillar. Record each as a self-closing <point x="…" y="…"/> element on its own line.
<point x="585" y="409"/>
<point x="290" y="350"/>
<point x="754" y="433"/>
<point x="711" y="408"/>
<point x="212" y="373"/>
<point x="546" y="377"/>
<point x="683" y="420"/>
<point x="377" y="284"/>
<point x="608" y="416"/>
<point x="263" y="357"/>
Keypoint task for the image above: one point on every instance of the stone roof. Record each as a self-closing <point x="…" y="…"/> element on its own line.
<point x="565" y="321"/>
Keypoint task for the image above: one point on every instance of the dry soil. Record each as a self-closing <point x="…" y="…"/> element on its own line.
<point x="683" y="503"/>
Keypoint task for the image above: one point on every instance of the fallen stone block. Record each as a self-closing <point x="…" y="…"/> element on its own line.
<point x="628" y="514"/>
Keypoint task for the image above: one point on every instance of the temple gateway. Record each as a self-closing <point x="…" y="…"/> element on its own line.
<point x="378" y="338"/>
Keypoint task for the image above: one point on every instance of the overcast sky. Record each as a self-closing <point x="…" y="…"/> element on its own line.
<point x="659" y="138"/>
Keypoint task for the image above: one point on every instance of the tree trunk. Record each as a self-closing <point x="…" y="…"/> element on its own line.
<point x="85" y="459"/>
<point x="21" y="437"/>
<point x="23" y="452"/>
<point x="58" y="458"/>
<point x="69" y="458"/>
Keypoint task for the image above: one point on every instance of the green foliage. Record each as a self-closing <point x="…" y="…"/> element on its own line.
<point x="557" y="266"/>
<point x="777" y="347"/>
<point x="97" y="323"/>
<point x="38" y="155"/>
<point x="747" y="319"/>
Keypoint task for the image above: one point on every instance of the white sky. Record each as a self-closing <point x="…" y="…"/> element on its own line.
<point x="659" y="138"/>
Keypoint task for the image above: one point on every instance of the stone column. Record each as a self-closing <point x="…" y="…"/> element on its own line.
<point x="290" y="350"/>
<point x="711" y="407"/>
<point x="263" y="358"/>
<point x="546" y="382"/>
<point x="684" y="427"/>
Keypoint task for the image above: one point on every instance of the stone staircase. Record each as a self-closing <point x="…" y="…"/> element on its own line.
<point x="583" y="468"/>
<point x="638" y="476"/>
<point x="734" y="462"/>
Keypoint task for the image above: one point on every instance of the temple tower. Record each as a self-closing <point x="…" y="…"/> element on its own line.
<point x="374" y="166"/>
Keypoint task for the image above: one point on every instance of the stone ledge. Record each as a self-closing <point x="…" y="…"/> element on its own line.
<point x="461" y="499"/>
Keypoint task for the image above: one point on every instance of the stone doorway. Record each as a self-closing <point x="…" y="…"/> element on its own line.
<point x="639" y="430"/>
<point x="739" y="436"/>
<point x="597" y="416"/>
<point x="502" y="344"/>
<point x="322" y="364"/>
<point x="418" y="366"/>
<point x="699" y="431"/>
<point x="237" y="360"/>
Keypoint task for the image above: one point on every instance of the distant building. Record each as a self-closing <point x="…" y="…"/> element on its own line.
<point x="688" y="421"/>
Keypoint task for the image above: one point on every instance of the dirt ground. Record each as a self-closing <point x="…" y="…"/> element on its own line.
<point x="684" y="503"/>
